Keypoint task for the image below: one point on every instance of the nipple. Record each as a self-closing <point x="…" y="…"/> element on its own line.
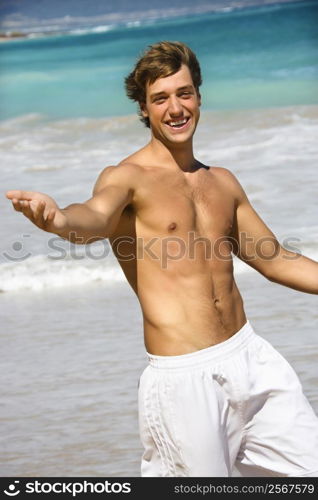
<point x="172" y="226"/>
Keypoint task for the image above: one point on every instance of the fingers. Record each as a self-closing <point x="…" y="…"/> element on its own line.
<point x="20" y="195"/>
<point x="24" y="207"/>
<point x="50" y="215"/>
<point x="36" y="208"/>
<point x="41" y="213"/>
<point x="16" y="205"/>
<point x="33" y="210"/>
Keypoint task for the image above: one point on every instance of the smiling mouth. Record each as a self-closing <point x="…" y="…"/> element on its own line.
<point x="178" y="124"/>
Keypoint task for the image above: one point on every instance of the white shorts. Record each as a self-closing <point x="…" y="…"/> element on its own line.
<point x="238" y="403"/>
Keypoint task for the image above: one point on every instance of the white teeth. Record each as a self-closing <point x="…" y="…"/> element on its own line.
<point x="180" y="122"/>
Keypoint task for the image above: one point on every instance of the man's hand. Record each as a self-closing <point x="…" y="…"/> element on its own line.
<point x="40" y="208"/>
<point x="95" y="219"/>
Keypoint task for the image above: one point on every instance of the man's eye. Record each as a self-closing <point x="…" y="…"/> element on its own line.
<point x="159" y="100"/>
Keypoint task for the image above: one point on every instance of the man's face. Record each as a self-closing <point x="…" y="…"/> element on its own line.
<point x="173" y="107"/>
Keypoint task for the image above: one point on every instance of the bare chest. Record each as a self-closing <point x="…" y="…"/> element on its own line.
<point x="199" y="205"/>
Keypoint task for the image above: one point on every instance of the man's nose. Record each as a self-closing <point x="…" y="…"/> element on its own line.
<point x="175" y="107"/>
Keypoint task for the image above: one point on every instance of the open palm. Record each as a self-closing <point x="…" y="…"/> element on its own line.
<point x="40" y="208"/>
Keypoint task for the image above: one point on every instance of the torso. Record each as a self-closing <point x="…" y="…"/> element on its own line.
<point x="174" y="246"/>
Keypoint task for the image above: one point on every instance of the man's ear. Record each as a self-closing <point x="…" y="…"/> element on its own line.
<point x="199" y="98"/>
<point x="143" y="109"/>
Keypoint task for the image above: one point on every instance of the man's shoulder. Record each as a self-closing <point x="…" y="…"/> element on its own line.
<point x="222" y="174"/>
<point x="225" y="175"/>
<point x="124" y="168"/>
<point x="123" y="173"/>
<point x="123" y="176"/>
<point x="228" y="181"/>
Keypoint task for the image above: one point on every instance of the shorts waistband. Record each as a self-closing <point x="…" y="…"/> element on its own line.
<point x="213" y="353"/>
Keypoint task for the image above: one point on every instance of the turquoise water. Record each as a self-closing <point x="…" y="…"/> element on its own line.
<point x="250" y="58"/>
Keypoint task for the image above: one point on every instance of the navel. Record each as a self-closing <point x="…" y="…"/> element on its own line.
<point x="216" y="302"/>
<point x="172" y="226"/>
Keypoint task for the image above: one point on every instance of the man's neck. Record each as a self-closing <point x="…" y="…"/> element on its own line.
<point x="179" y="155"/>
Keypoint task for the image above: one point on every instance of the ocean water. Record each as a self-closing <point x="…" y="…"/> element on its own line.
<point x="250" y="57"/>
<point x="71" y="327"/>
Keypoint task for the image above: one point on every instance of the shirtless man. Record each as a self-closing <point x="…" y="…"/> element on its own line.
<point x="215" y="394"/>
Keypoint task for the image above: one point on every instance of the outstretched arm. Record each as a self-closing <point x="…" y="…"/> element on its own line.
<point x="86" y="222"/>
<point x="255" y="244"/>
